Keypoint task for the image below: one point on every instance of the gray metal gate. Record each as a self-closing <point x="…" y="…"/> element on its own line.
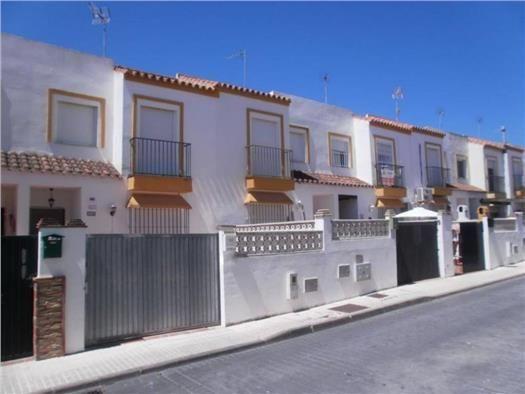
<point x="144" y="284"/>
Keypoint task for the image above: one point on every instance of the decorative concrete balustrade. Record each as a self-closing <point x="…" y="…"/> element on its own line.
<point x="271" y="227"/>
<point x="354" y="229"/>
<point x="277" y="238"/>
<point x="505" y="224"/>
<point x="280" y="242"/>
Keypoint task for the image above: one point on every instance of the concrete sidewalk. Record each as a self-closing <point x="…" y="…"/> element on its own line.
<point x="90" y="367"/>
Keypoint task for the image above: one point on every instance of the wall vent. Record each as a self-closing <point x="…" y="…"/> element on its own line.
<point x="363" y="272"/>
<point x="310" y="285"/>
<point x="343" y="271"/>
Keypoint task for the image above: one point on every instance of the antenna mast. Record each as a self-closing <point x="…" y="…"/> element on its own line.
<point x="441" y="114"/>
<point x="479" y="121"/>
<point x="503" y="134"/>
<point x="397" y="96"/>
<point x="101" y="16"/>
<point x="325" y="86"/>
<point x="242" y="54"/>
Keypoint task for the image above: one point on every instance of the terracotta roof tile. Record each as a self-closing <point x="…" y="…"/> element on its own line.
<point x="495" y="145"/>
<point x="37" y="162"/>
<point x="403" y="127"/>
<point x="388" y="123"/>
<point x="465" y="187"/>
<point x="328" y="179"/>
<point x="200" y="84"/>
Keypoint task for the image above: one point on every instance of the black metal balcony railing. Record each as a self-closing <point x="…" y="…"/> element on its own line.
<point x="518" y="182"/>
<point x="160" y="157"/>
<point x="389" y="175"/>
<point x="269" y="161"/>
<point x="496" y="184"/>
<point x="437" y="176"/>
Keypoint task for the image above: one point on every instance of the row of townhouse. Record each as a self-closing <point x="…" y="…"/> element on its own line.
<point x="132" y="151"/>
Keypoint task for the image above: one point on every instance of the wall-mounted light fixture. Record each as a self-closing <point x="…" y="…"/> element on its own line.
<point x="112" y="209"/>
<point x="51" y="200"/>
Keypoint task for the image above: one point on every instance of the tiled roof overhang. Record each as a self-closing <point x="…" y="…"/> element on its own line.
<point x="50" y="164"/>
<point x="199" y="85"/>
<point x="328" y="179"/>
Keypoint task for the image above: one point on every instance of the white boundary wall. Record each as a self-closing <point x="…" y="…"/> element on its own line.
<point x="504" y="247"/>
<point x="72" y="265"/>
<point x="256" y="286"/>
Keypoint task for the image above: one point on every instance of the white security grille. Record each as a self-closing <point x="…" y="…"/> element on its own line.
<point x="343" y="271"/>
<point x="159" y="221"/>
<point x="310" y="285"/>
<point x="268" y="213"/>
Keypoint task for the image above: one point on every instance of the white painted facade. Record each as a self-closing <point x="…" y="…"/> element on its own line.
<point x="255" y="287"/>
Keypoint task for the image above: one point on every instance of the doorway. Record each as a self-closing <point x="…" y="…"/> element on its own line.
<point x="348" y="207"/>
<point x="471" y="246"/>
<point x="417" y="252"/>
<point x="57" y="215"/>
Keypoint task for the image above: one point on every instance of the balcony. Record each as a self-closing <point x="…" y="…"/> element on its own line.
<point x="390" y="181"/>
<point x="160" y="166"/>
<point x="339" y="158"/>
<point x="269" y="168"/>
<point x="496" y="185"/>
<point x="518" y="182"/>
<point x="437" y="179"/>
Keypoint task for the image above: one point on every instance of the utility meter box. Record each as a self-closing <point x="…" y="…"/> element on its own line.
<point x="52" y="245"/>
<point x="292" y="286"/>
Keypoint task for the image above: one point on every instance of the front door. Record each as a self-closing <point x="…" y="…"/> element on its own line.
<point x="35" y="214"/>
<point x="19" y="266"/>
<point x="417" y="253"/>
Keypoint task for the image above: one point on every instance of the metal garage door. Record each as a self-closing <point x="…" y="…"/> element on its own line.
<point x="145" y="284"/>
<point x="417" y="252"/>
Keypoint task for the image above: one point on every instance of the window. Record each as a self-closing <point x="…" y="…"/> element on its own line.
<point x="340" y="150"/>
<point x="75" y="119"/>
<point x="461" y="167"/>
<point x="299" y="142"/>
<point x="265" y="139"/>
<point x="385" y="151"/>
<point x="158" y="119"/>
<point x="159" y="221"/>
<point x="269" y="213"/>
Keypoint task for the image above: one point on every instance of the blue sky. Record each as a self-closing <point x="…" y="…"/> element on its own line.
<point x="468" y="58"/>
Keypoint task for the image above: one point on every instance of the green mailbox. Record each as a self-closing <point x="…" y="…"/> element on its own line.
<point x="52" y="245"/>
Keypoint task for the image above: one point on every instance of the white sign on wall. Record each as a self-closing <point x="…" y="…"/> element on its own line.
<point x="92" y="207"/>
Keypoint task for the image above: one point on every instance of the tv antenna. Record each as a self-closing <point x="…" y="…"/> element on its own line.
<point x="241" y="55"/>
<point x="101" y="16"/>
<point x="479" y="121"/>
<point x="397" y="96"/>
<point x="503" y="134"/>
<point x="326" y="78"/>
<point x="441" y="114"/>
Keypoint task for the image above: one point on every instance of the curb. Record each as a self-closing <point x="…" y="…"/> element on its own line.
<point x="291" y="333"/>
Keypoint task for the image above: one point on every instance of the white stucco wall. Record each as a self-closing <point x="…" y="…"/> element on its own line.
<point x="499" y="245"/>
<point x="72" y="265"/>
<point x="256" y="287"/>
<point x="306" y="193"/>
<point x="477" y="165"/>
<point x="29" y="69"/>
<point x="216" y="128"/>
<point x="31" y="191"/>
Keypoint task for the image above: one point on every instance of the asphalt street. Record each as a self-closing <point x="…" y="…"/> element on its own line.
<point x="473" y="342"/>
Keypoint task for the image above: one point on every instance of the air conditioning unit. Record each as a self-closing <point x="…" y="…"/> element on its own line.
<point x="423" y="194"/>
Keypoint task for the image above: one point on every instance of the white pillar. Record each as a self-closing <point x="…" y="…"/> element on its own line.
<point x="508" y="180"/>
<point x="323" y="222"/>
<point x="72" y="265"/>
<point x="23" y="203"/>
<point x="486" y="242"/>
<point x="444" y="243"/>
